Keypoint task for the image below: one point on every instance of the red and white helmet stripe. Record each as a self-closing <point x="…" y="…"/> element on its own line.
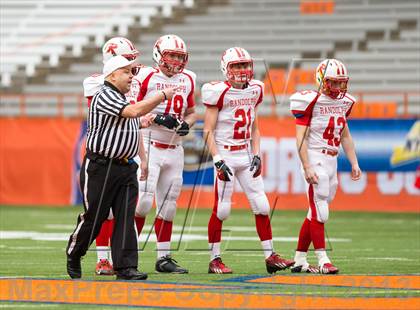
<point x="170" y="43"/>
<point x="236" y="55"/>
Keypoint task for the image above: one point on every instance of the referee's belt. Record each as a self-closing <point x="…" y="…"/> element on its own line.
<point x="102" y="160"/>
<point x="163" y="145"/>
<point x="235" y="147"/>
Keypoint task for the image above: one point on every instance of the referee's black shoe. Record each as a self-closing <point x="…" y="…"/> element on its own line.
<point x="167" y="264"/>
<point x="74" y="269"/>
<point x="130" y="274"/>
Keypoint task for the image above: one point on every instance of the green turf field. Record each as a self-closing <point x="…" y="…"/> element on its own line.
<point x="33" y="240"/>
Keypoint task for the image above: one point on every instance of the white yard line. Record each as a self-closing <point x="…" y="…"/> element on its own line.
<point x="174" y="228"/>
<point x="390" y="258"/>
<point x="38" y="305"/>
<point x="33" y="235"/>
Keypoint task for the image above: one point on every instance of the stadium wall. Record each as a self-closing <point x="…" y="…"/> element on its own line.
<point x="41" y="157"/>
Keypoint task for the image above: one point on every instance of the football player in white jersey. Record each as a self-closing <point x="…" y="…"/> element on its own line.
<point x="233" y="138"/>
<point x="321" y="127"/>
<point x="113" y="47"/>
<point x="163" y="140"/>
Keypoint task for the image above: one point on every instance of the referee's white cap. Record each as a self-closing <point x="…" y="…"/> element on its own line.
<point x="115" y="63"/>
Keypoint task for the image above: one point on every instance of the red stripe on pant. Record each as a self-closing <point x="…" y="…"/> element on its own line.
<point x="317" y="228"/>
<point x="139" y="224"/>
<point x="262" y="222"/>
<point x="163" y="230"/>
<point x="214" y="229"/>
<point x="104" y="236"/>
<point x="304" y="236"/>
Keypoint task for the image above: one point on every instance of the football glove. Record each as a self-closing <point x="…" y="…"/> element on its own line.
<point x="223" y="170"/>
<point x="166" y="120"/>
<point x="183" y="128"/>
<point x="256" y="164"/>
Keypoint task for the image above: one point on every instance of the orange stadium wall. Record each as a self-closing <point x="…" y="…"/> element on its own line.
<point x="36" y="158"/>
<point x="40" y="158"/>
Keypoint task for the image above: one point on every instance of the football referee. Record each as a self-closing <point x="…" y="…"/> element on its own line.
<point x="108" y="173"/>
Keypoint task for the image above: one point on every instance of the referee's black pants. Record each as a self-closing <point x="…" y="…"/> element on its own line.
<point x="105" y="185"/>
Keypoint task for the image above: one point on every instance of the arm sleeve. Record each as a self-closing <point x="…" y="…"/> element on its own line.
<point x="261" y="96"/>
<point x="190" y="98"/>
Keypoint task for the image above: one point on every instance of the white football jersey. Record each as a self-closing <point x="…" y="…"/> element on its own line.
<point x="324" y="116"/>
<point x="152" y="82"/>
<point x="236" y="110"/>
<point x="94" y="83"/>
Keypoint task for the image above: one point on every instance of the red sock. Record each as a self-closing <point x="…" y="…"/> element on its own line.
<point x="214" y="229"/>
<point x="263" y="227"/>
<point x="103" y="239"/>
<point x="317" y="234"/>
<point x="304" y="236"/>
<point x="163" y="230"/>
<point x="139" y="224"/>
<point x="316" y="227"/>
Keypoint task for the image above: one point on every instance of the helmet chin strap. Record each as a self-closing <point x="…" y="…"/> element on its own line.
<point x="169" y="69"/>
<point x="240" y="76"/>
<point x="238" y="84"/>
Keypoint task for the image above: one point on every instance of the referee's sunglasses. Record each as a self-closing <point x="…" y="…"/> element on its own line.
<point x="130" y="57"/>
<point x="135" y="69"/>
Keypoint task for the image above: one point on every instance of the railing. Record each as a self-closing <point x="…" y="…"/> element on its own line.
<point x="395" y="104"/>
<point x="77" y="101"/>
<point x="392" y="101"/>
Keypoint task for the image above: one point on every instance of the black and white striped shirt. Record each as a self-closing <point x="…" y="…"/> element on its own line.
<point x="109" y="134"/>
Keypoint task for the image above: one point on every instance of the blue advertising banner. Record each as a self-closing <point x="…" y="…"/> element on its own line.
<point x="384" y="145"/>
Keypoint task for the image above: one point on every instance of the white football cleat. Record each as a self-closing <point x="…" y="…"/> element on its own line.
<point x="305" y="267"/>
<point x="328" y="268"/>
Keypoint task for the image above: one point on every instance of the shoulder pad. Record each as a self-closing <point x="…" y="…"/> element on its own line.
<point x="190" y="73"/>
<point x="257" y="82"/>
<point x="350" y="97"/>
<point x="92" y="84"/>
<point x="144" y="72"/>
<point x="300" y="100"/>
<point x="211" y="92"/>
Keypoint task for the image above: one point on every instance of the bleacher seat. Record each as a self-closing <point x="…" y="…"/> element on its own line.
<point x="32" y="29"/>
<point x="382" y="55"/>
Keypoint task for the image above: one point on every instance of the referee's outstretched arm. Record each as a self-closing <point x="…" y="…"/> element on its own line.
<point x="145" y="106"/>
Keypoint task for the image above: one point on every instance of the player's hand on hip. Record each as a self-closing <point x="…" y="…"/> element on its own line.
<point x="144" y="171"/>
<point x="310" y="176"/>
<point x="223" y="171"/>
<point x="356" y="173"/>
<point x="166" y="120"/>
<point x="256" y="164"/>
<point x="183" y="128"/>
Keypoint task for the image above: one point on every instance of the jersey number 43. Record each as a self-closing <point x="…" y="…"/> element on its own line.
<point x="329" y="131"/>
